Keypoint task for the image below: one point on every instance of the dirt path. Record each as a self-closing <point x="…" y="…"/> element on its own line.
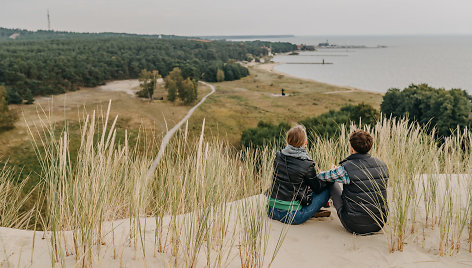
<point x="171" y="132"/>
<point x="341" y="91"/>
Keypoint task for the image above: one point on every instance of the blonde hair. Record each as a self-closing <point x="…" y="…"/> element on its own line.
<point x="296" y="136"/>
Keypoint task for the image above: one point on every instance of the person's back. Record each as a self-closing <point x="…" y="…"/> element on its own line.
<point x="296" y="194"/>
<point x="362" y="204"/>
<point x="365" y="197"/>
<point x="290" y="174"/>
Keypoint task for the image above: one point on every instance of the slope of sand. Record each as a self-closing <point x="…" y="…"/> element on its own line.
<point x="130" y="86"/>
<point x="316" y="243"/>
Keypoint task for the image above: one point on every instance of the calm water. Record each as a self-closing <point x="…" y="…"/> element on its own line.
<point x="441" y="61"/>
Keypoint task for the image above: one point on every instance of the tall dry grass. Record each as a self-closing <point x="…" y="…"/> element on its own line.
<point x="194" y="204"/>
<point x="203" y="205"/>
<point x="13" y="198"/>
<point x="430" y="183"/>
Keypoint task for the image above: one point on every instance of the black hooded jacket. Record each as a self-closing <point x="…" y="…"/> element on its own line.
<point x="365" y="197"/>
<point x="293" y="177"/>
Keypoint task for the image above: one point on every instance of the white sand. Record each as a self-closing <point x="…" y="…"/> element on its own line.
<point x="128" y="86"/>
<point x="317" y="243"/>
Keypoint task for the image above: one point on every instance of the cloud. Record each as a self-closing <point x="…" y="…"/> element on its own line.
<point x="224" y="17"/>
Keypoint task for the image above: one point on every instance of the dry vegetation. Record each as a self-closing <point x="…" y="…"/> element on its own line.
<point x="430" y="185"/>
<point x="187" y="201"/>
<point x="66" y="110"/>
<point x="134" y="112"/>
<point x="103" y="206"/>
<point x="99" y="209"/>
<point x="238" y="105"/>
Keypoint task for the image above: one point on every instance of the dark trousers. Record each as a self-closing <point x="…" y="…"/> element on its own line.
<point x="336" y="195"/>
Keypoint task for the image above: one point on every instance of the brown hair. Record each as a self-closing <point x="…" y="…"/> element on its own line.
<point x="296" y="136"/>
<point x="361" y="141"/>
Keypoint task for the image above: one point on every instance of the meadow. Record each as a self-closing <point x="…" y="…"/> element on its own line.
<point x="66" y="110"/>
<point x="236" y="106"/>
<point x="239" y="105"/>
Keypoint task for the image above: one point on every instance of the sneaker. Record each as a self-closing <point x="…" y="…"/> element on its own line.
<point x="322" y="213"/>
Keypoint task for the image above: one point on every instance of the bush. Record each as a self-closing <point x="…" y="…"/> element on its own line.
<point x="7" y="117"/>
<point x="328" y="124"/>
<point x="185" y="90"/>
<point x="264" y="134"/>
<point x="13" y="97"/>
<point x="431" y="107"/>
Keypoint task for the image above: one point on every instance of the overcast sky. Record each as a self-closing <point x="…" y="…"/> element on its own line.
<point x="231" y="17"/>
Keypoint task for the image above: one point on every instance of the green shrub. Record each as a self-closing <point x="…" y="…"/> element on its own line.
<point x="431" y="107"/>
<point x="264" y="134"/>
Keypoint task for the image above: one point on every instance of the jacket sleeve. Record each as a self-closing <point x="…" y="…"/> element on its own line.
<point x="337" y="174"/>
<point x="316" y="185"/>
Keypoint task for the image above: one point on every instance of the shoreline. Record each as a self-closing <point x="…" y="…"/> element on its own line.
<point x="270" y="67"/>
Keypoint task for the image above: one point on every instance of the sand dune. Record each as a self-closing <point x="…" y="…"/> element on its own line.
<point x="317" y="243"/>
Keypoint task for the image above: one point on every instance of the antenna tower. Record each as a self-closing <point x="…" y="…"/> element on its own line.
<point x="49" y="22"/>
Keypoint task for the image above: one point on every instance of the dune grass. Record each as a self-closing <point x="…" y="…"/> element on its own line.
<point x="189" y="204"/>
<point x="430" y="183"/>
<point x="190" y="198"/>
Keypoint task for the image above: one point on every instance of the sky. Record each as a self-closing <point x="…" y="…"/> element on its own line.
<point x="243" y="17"/>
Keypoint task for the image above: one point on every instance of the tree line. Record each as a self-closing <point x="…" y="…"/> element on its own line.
<point x="23" y="34"/>
<point x="30" y="68"/>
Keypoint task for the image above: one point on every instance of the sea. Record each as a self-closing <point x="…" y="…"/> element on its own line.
<point x="387" y="62"/>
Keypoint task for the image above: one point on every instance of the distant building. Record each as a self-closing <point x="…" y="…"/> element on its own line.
<point x="325" y="44"/>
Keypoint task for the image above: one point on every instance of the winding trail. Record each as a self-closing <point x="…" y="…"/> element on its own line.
<point x="171" y="132"/>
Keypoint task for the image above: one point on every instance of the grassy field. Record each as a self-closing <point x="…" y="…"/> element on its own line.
<point x="238" y="105"/>
<point x="68" y="110"/>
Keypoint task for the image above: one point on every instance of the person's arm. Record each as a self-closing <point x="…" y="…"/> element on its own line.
<point x="311" y="180"/>
<point x="337" y="174"/>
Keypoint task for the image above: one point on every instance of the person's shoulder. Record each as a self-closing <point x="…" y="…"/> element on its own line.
<point x="278" y="153"/>
<point x="277" y="156"/>
<point x="378" y="161"/>
<point x="307" y="162"/>
<point x="297" y="160"/>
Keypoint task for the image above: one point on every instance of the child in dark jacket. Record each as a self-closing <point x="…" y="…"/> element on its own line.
<point x="362" y="204"/>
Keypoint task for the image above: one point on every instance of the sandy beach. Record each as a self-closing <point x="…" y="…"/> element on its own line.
<point x="270" y="67"/>
<point x="320" y="242"/>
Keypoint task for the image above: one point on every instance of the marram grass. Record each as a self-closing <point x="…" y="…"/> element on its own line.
<point x="190" y="200"/>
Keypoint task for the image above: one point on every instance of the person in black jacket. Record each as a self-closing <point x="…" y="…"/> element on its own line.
<point x="296" y="194"/>
<point x="362" y="204"/>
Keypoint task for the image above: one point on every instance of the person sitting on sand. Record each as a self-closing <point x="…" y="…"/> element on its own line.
<point x="362" y="203"/>
<point x="296" y="194"/>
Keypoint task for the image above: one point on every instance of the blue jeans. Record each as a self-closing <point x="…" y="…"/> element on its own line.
<point x="302" y="215"/>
